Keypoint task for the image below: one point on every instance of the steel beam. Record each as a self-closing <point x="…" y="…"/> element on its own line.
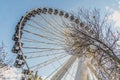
<point x="61" y="72"/>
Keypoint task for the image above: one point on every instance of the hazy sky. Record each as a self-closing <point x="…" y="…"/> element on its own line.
<point x="12" y="10"/>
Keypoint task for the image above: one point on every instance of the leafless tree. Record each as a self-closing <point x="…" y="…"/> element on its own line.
<point x="5" y="69"/>
<point x="95" y="37"/>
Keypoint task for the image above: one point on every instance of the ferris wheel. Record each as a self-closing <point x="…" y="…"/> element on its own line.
<point x="57" y="46"/>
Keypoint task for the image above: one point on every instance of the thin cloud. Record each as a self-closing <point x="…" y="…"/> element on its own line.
<point x="115" y="16"/>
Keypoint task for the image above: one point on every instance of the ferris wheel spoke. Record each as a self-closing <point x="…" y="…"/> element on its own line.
<point x="44" y="55"/>
<point x="31" y="52"/>
<point x="77" y="50"/>
<point x="45" y="29"/>
<point x="38" y="66"/>
<point x="36" y="34"/>
<point x="68" y="26"/>
<point x="48" y="27"/>
<point x="43" y="48"/>
<point x="53" y="26"/>
<point x="41" y="36"/>
<point x="41" y="42"/>
<point x="56" y="25"/>
<point x="45" y="37"/>
<point x="36" y="42"/>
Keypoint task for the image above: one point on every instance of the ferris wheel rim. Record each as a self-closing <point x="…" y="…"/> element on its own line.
<point x="58" y="12"/>
<point x="22" y="22"/>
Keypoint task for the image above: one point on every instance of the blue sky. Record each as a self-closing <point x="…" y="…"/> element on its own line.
<point x="12" y="10"/>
